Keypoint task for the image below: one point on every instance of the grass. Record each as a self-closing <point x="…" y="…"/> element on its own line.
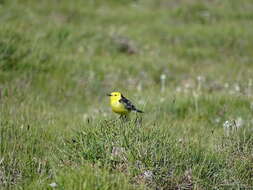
<point x="187" y="64"/>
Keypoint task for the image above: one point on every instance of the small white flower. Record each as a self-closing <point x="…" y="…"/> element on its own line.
<point x="227" y="124"/>
<point x="148" y="174"/>
<point x="217" y="120"/>
<point x="188" y="85"/>
<point x="162" y="79"/>
<point x="200" y="78"/>
<point x="226" y="85"/>
<point x="53" y="184"/>
<point x="227" y="127"/>
<point x="237" y="87"/>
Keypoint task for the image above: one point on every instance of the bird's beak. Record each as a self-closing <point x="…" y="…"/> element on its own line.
<point x="108" y="95"/>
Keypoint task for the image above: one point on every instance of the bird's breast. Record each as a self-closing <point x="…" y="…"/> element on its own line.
<point x="118" y="107"/>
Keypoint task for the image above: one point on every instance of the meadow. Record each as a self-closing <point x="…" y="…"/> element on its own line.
<point x="187" y="64"/>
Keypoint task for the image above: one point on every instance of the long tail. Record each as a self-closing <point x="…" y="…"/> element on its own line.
<point x="139" y="111"/>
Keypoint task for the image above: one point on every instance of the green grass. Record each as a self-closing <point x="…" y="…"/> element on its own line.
<point x="58" y="59"/>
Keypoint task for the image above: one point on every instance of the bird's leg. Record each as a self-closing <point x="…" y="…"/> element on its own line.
<point x="138" y="120"/>
<point x="123" y="118"/>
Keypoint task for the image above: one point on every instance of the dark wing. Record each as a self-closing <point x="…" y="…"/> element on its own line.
<point x="128" y="105"/>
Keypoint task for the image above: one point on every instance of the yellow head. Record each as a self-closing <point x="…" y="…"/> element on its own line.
<point x="114" y="96"/>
